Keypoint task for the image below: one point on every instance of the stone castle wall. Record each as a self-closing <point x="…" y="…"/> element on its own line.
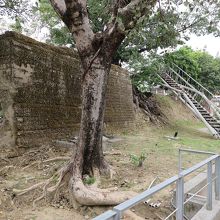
<point x="40" y="87"/>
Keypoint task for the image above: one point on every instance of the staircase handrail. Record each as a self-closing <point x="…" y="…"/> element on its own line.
<point x="205" y="98"/>
<point x="210" y="93"/>
<point x="179" y="93"/>
<point x="180" y="77"/>
<point x="211" y="104"/>
<point x="211" y="129"/>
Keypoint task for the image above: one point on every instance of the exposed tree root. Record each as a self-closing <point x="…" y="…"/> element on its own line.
<point x="46" y="161"/>
<point x="59" y="175"/>
<point x="131" y="215"/>
<point x="84" y="195"/>
<point x="112" y="153"/>
<point x="5" y="159"/>
<point x="108" y="190"/>
<point x="90" y="197"/>
<point x="149" y="106"/>
<point x="24" y="191"/>
<point x="79" y="192"/>
<point x="56" y="159"/>
<point x="32" y="164"/>
<point x="5" y="169"/>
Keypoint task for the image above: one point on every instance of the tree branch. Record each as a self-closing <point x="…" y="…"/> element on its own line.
<point x="74" y="14"/>
<point x="59" y="6"/>
<point x="131" y="13"/>
<point x="195" y="21"/>
<point x="124" y="20"/>
<point x="126" y="17"/>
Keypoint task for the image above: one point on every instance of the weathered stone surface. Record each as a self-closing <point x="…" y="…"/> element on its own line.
<point x="40" y="87"/>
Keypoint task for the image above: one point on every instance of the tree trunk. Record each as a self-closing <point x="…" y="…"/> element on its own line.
<point x="96" y="51"/>
<point x="89" y="153"/>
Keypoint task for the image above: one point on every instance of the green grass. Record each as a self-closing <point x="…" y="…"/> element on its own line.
<point x="152" y="140"/>
<point x="164" y="100"/>
<point x="190" y="136"/>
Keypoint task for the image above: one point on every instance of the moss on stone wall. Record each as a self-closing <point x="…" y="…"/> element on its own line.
<point x="33" y="43"/>
<point x="47" y="97"/>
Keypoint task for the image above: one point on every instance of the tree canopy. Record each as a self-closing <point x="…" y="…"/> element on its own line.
<point x="167" y="25"/>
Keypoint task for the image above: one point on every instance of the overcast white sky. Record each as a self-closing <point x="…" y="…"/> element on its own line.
<point x="211" y="43"/>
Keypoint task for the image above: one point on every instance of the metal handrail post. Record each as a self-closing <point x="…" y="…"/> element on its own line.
<point x="196" y="151"/>
<point x="180" y="198"/>
<point x="217" y="180"/>
<point x="209" y="182"/>
<point x="118" y="215"/>
<point x="180" y="162"/>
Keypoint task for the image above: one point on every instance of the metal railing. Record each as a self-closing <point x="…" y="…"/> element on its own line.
<point x="192" y="98"/>
<point x="183" y="78"/>
<point x="117" y="211"/>
<point x="194" y="82"/>
<point x="192" y="88"/>
<point x="189" y="80"/>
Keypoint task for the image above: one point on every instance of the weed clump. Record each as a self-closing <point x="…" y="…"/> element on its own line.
<point x="138" y="160"/>
<point x="89" y="180"/>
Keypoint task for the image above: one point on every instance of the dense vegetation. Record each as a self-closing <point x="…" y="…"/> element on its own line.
<point x="169" y="24"/>
<point x="199" y="64"/>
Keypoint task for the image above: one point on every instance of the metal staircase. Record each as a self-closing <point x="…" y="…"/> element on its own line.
<point x="194" y="95"/>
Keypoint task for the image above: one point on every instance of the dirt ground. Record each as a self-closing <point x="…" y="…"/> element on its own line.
<point x="19" y="172"/>
<point x="24" y="169"/>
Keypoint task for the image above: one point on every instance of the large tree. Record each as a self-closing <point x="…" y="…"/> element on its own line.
<point x="96" y="50"/>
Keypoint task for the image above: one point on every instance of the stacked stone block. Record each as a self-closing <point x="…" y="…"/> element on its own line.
<point x="40" y="88"/>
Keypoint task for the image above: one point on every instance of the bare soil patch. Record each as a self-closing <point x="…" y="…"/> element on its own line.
<point x="30" y="168"/>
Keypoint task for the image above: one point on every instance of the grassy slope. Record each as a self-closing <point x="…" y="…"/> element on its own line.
<point x="162" y="154"/>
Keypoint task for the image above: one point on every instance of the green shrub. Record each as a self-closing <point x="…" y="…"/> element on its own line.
<point x="89" y="180"/>
<point x="138" y="160"/>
